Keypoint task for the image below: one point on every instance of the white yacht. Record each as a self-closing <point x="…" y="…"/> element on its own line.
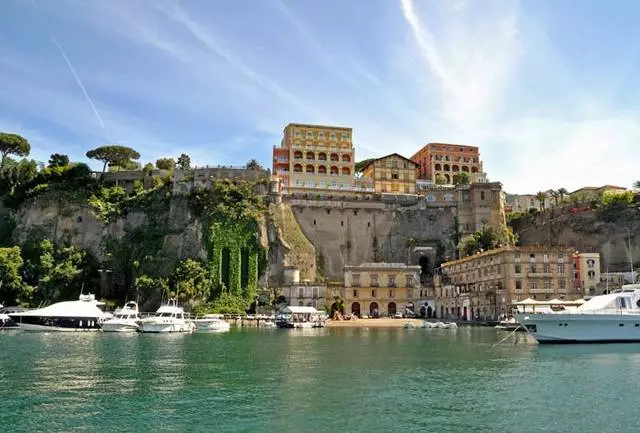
<point x="610" y="318"/>
<point x="301" y="317"/>
<point x="212" y="323"/>
<point x="124" y="319"/>
<point x="169" y="318"/>
<point x="81" y="315"/>
<point x="5" y="321"/>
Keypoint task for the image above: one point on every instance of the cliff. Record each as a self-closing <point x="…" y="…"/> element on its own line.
<point x="607" y="231"/>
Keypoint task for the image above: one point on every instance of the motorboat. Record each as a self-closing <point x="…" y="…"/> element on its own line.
<point x="168" y="318"/>
<point x="124" y="319"/>
<point x="267" y="323"/>
<point x="212" y="323"/>
<point x="6" y="322"/>
<point x="84" y="314"/>
<point x="301" y="317"/>
<point x="510" y="324"/>
<point x="608" y="318"/>
<point x="438" y="325"/>
<point x="409" y="325"/>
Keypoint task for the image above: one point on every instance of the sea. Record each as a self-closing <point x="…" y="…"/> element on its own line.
<point x="315" y="380"/>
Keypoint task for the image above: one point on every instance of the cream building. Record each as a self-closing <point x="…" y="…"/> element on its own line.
<point x="392" y="173"/>
<point x="587" y="272"/>
<point x="315" y="157"/>
<point x="483" y="286"/>
<point x="380" y="289"/>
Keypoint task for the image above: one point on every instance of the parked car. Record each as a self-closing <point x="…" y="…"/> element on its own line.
<point x="398" y="315"/>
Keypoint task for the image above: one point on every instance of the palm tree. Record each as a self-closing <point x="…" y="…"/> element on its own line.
<point x="555" y="196"/>
<point x="562" y="193"/>
<point x="541" y="196"/>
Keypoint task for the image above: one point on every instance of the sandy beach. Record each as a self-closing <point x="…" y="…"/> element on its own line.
<point x="372" y="323"/>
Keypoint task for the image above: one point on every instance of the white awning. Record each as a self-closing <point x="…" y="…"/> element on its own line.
<point x="293" y="309"/>
<point x="527" y="301"/>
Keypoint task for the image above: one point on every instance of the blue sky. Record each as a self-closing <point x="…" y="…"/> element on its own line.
<point x="547" y="88"/>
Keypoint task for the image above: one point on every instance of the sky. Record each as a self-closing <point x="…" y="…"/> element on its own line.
<point x="548" y="89"/>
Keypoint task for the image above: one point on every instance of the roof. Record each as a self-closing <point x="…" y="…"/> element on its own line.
<point x="387" y="156"/>
<point x="308" y="125"/>
<point x="294" y="309"/>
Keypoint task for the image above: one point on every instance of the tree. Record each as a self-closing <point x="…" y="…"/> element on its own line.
<point x="440" y="179"/>
<point x="113" y="155"/>
<point x="12" y="288"/>
<point x="58" y="160"/>
<point x="149" y="287"/>
<point x="148" y="168"/>
<point x="636" y="184"/>
<point x="461" y="178"/>
<point x="555" y="196"/>
<point x="360" y="165"/>
<point x="166" y="164"/>
<point x="541" y="197"/>
<point x="562" y="193"/>
<point x="253" y="165"/>
<point x="190" y="280"/>
<point x="13" y="144"/>
<point x="184" y="162"/>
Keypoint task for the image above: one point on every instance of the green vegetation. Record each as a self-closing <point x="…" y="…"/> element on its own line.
<point x="360" y="165"/>
<point x="487" y="238"/>
<point x="253" y="164"/>
<point x="461" y="178"/>
<point x="184" y="162"/>
<point x="440" y="179"/>
<point x="114" y="156"/>
<point x="12" y="288"/>
<point x="166" y="164"/>
<point x="13" y="144"/>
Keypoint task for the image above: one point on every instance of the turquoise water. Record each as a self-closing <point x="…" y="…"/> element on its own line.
<point x="327" y="380"/>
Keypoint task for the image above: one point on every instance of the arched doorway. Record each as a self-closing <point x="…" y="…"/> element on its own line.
<point x="429" y="312"/>
<point x="373" y="309"/>
<point x="355" y="309"/>
<point x="334" y="308"/>
<point x="391" y="309"/>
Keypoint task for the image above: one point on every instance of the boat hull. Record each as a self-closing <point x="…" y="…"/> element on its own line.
<point x="161" y="328"/>
<point x="118" y="326"/>
<point x="60" y="324"/>
<point x="581" y="328"/>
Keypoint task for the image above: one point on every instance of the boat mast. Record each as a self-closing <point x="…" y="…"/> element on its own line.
<point x="633" y="279"/>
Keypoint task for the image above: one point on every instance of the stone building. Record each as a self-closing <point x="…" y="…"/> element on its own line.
<point x="447" y="160"/>
<point x="586" y="272"/>
<point x="380" y="289"/>
<point x="480" y="204"/>
<point x="307" y="295"/>
<point x="315" y="157"/>
<point x="392" y="173"/>
<point x="484" y="286"/>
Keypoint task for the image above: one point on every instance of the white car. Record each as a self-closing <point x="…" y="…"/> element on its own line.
<point x="398" y="315"/>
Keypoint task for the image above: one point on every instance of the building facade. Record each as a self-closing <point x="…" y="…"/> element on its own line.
<point x="392" y="173"/>
<point x="302" y="295"/>
<point x="380" y="289"/>
<point x="479" y="204"/>
<point x="587" y="273"/>
<point x="483" y="286"/>
<point x="315" y="157"/>
<point x="447" y="160"/>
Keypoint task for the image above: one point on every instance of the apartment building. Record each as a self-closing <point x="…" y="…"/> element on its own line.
<point x="587" y="272"/>
<point x="484" y="286"/>
<point x="315" y="157"/>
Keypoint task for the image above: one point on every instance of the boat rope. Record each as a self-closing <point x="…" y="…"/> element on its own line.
<point x="509" y="335"/>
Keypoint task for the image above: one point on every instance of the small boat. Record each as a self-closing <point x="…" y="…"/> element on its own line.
<point x="124" y="319"/>
<point x="301" y="317"/>
<point x="212" y="323"/>
<point x="169" y="318"/>
<point x="509" y="324"/>
<point x="439" y="325"/>
<point x="409" y="325"/>
<point x="6" y="322"/>
<point x="81" y="315"/>
<point x="267" y="323"/>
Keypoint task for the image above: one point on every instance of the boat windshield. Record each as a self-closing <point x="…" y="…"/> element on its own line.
<point x="164" y="314"/>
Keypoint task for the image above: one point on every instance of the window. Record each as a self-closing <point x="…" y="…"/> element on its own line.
<point x="373" y="293"/>
<point x="532" y="268"/>
<point x="518" y="285"/>
<point x="517" y="256"/>
<point x="591" y="275"/>
<point x="374" y="280"/>
<point x="391" y="293"/>
<point x="296" y="133"/>
<point x="545" y="258"/>
<point x="561" y="268"/>
<point x="547" y="285"/>
<point x="315" y="292"/>
<point x="481" y="195"/>
<point x="532" y="285"/>
<point x="561" y="255"/>
<point x="518" y="270"/>
<point x="321" y="135"/>
<point x="392" y="281"/>
<point x="561" y="284"/>
<point x="591" y="263"/>
<point x="345" y="136"/>
<point x="309" y="134"/>
<point x="356" y="280"/>
<point x="332" y="136"/>
<point x="300" y="292"/>
<point x="532" y="257"/>
<point x="394" y="176"/>
<point x="547" y="268"/>
<point x="355" y="293"/>
<point x="409" y="278"/>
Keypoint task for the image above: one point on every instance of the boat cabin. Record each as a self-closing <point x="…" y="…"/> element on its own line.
<point x="301" y="317"/>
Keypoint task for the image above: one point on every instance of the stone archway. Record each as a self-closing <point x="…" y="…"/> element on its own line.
<point x="333" y="309"/>
<point x="392" y="308"/>
<point x="355" y="309"/>
<point x="429" y="312"/>
<point x="374" y="309"/>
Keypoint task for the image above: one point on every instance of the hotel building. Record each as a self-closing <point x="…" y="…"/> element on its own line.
<point x="380" y="289"/>
<point x="448" y="160"/>
<point x="315" y="156"/>
<point x="483" y="286"/>
<point x="587" y="273"/>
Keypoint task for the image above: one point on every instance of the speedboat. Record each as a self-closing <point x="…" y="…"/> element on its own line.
<point x="81" y="315"/>
<point x="440" y="325"/>
<point x="212" y="323"/>
<point x="609" y="318"/>
<point x="124" y="319"/>
<point x="169" y="318"/>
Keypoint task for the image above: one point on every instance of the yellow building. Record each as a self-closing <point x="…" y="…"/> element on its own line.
<point x="483" y="286"/>
<point x="392" y="173"/>
<point x="315" y="157"/>
<point x="380" y="289"/>
<point x="587" y="272"/>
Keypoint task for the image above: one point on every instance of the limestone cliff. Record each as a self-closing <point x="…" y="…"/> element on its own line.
<point x="605" y="231"/>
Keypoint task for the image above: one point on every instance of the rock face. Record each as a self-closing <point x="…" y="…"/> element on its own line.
<point x="606" y="232"/>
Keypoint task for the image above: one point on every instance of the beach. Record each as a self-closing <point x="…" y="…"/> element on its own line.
<point x="372" y="323"/>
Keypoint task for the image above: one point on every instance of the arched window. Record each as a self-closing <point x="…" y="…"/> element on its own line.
<point x="310" y="155"/>
<point x="297" y="168"/>
<point x="322" y="156"/>
<point x="334" y="157"/>
<point x="465" y="169"/>
<point x="346" y="171"/>
<point x="346" y="158"/>
<point x="455" y="168"/>
<point x="322" y="169"/>
<point x="334" y="170"/>
<point x="446" y="167"/>
<point x="310" y="169"/>
<point x="297" y="154"/>
<point x="438" y="167"/>
<point x="474" y="169"/>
